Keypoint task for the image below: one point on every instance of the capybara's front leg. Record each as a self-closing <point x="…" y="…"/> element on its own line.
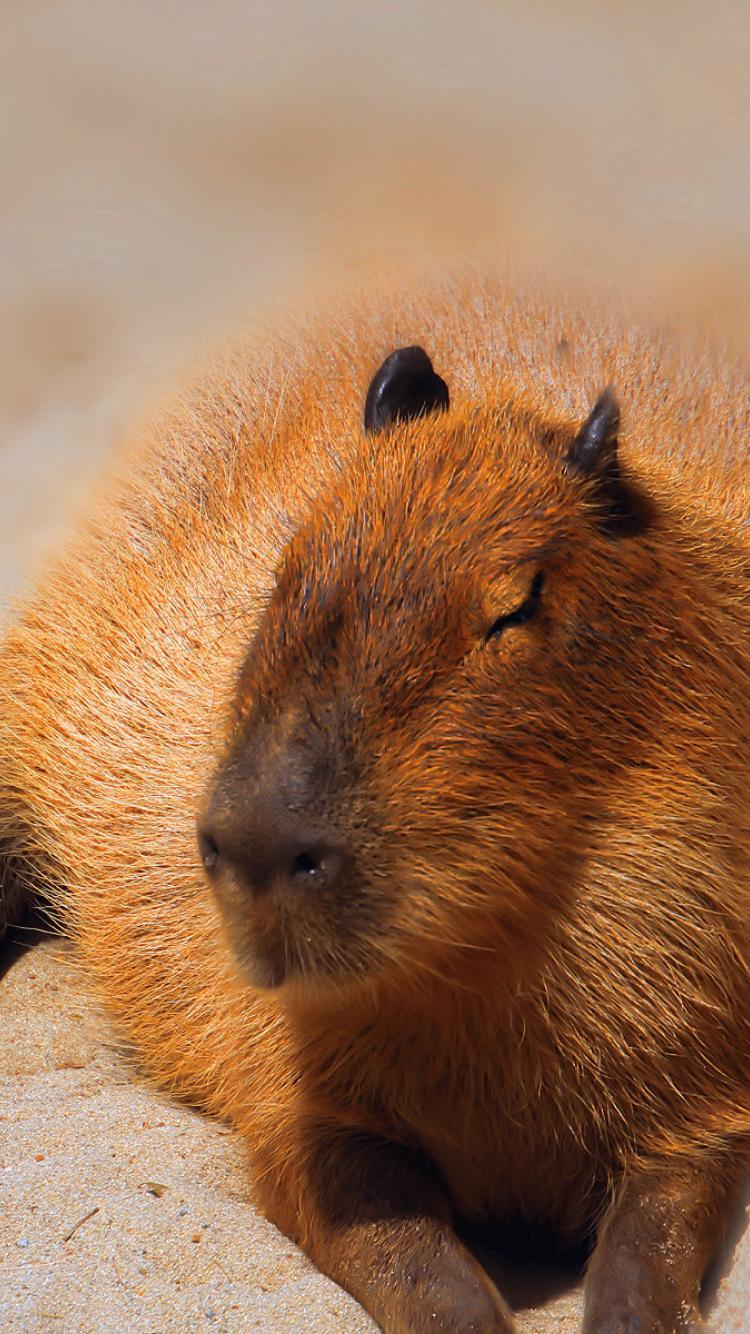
<point x="653" y="1249"/>
<point x="376" y="1219"/>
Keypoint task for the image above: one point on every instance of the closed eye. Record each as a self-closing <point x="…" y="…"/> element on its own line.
<point x="521" y="614"/>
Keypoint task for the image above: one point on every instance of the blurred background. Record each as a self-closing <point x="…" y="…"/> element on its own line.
<point x="167" y="167"/>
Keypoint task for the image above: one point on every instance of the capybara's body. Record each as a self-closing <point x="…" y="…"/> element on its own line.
<point x="462" y="709"/>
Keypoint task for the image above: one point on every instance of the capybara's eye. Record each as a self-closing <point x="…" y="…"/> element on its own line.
<point x="521" y="614"/>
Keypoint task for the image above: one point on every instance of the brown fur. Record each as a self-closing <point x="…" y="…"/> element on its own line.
<point x="535" y="989"/>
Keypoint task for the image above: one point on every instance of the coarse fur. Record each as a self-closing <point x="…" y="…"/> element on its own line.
<point x="531" y="989"/>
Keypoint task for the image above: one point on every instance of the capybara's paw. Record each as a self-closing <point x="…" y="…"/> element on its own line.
<point x="478" y="1314"/>
<point x="630" y="1314"/>
<point x="461" y="1299"/>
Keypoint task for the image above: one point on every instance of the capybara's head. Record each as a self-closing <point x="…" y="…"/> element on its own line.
<point x="427" y="710"/>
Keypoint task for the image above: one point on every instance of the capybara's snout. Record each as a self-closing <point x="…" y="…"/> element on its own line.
<point x="280" y="864"/>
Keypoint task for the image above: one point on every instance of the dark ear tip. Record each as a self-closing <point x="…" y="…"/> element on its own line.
<point x="414" y="357"/>
<point x="596" y="442"/>
<point x="607" y="409"/>
<point x="404" y="387"/>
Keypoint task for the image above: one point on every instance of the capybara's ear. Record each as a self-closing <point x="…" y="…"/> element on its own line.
<point x="406" y="386"/>
<point x="625" y="511"/>
<point x="594" y="448"/>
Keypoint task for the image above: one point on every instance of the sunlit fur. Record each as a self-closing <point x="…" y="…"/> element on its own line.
<point x="541" y="972"/>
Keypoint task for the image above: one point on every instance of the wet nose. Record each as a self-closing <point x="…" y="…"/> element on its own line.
<point x="264" y="855"/>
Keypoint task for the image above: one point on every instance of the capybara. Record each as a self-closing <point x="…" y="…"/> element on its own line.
<point x="382" y="740"/>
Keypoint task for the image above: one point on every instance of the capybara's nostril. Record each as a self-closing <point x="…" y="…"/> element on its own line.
<point x="316" y="866"/>
<point x="208" y="849"/>
<point x="304" y="864"/>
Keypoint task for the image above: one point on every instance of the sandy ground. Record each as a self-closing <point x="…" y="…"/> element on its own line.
<point x="165" y="169"/>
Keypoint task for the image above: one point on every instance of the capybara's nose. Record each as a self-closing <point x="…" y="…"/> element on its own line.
<point x="261" y="855"/>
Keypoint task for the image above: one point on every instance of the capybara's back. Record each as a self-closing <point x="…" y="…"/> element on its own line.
<point x="383" y="741"/>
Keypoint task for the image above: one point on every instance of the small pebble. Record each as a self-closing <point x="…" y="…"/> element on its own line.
<point x="184" y="1210"/>
<point x="195" y="1237"/>
<point x="22" y="1242"/>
